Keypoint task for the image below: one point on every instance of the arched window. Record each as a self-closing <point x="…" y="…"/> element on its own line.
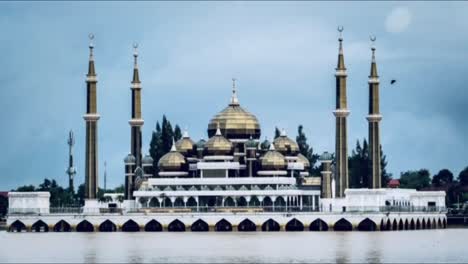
<point x="130" y="226"/>
<point x="223" y="226"/>
<point x="343" y="225"/>
<point x="367" y="225"/>
<point x="294" y="225"/>
<point x="199" y="226"/>
<point x="318" y="225"/>
<point x="270" y="225"/>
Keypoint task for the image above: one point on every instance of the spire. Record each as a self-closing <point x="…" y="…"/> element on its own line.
<point x="91" y="70"/>
<point x="272" y="147"/>
<point x="136" y="75"/>
<point x="234" y="100"/>
<point x="283" y="132"/>
<point x="373" y="72"/>
<point x="185" y="134"/>
<point x="340" y="65"/>
<point x="218" y="131"/>
<point x="173" y="148"/>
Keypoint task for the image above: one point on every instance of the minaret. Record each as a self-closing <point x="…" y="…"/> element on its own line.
<point x="91" y="118"/>
<point x="136" y="122"/>
<point x="71" y="171"/>
<point x="341" y="113"/>
<point x="105" y="176"/>
<point x="374" y="117"/>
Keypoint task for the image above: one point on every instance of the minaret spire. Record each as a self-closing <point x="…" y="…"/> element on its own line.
<point x="91" y="118"/>
<point x="71" y="171"/>
<point x="341" y="113"/>
<point x="374" y="117"/>
<point x="136" y="121"/>
<point x="234" y="100"/>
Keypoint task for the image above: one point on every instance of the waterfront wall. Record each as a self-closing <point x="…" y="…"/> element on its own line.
<point x="273" y="221"/>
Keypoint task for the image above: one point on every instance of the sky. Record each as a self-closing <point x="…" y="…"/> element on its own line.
<point x="283" y="55"/>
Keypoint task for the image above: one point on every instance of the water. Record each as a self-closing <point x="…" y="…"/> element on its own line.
<point x="418" y="246"/>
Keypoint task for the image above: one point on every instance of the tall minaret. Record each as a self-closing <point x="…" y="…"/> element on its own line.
<point x="374" y="117"/>
<point x="341" y="113"/>
<point x="71" y="171"/>
<point x="91" y="117"/>
<point x="136" y="122"/>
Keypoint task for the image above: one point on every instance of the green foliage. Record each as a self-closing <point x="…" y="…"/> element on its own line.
<point x="386" y="177"/>
<point x="277" y="132"/>
<point x="442" y="178"/>
<point x="307" y="151"/>
<point x="177" y="133"/>
<point x="463" y="177"/>
<point x="3" y="206"/>
<point x="161" y="141"/>
<point x="359" y="165"/>
<point x="26" y="188"/>
<point x="415" y="179"/>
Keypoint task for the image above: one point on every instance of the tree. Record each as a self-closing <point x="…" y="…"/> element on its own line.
<point x="463" y="177"/>
<point x="26" y="188"/>
<point x="307" y="151"/>
<point x="415" y="179"/>
<point x="177" y="133"/>
<point x="161" y="141"/>
<point x="386" y="177"/>
<point x="277" y="133"/>
<point x="3" y="205"/>
<point x="359" y="166"/>
<point x="442" y="178"/>
<point x="167" y="135"/>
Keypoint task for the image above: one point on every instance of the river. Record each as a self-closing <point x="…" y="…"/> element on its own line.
<point x="441" y="245"/>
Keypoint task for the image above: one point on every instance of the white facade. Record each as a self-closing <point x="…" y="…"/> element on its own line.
<point x="379" y="199"/>
<point x="29" y="202"/>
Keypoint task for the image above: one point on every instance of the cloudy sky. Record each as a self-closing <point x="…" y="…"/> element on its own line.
<point x="282" y="53"/>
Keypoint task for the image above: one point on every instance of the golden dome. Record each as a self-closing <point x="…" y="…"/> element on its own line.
<point x="273" y="160"/>
<point x="285" y="145"/>
<point x="218" y="145"/>
<point x="185" y="144"/>
<point x="303" y="159"/>
<point x="172" y="161"/>
<point x="234" y="121"/>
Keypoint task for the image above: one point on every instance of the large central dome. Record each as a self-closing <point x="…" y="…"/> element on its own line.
<point x="235" y="122"/>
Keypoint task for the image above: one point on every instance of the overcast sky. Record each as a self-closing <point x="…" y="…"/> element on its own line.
<point x="282" y="53"/>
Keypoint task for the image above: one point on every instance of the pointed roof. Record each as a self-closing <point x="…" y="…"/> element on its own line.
<point x="373" y="71"/>
<point x="234" y="99"/>
<point x="136" y="75"/>
<point x="91" y="69"/>
<point x="340" y="64"/>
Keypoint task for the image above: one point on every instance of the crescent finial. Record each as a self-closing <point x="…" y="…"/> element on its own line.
<point x="91" y="36"/>
<point x="340" y="29"/>
<point x="372" y="38"/>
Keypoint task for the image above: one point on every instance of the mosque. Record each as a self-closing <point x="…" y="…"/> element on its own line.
<point x="234" y="180"/>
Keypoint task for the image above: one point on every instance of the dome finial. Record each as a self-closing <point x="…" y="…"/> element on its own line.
<point x="135" y="52"/>
<point x="283" y="132"/>
<point x="272" y="146"/>
<point x="185" y="134"/>
<point x="91" y="45"/>
<point x="234" y="100"/>
<point x="218" y="131"/>
<point x="373" y="38"/>
<point x="173" y="148"/>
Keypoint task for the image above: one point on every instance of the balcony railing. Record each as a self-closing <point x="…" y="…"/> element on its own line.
<point x="224" y="209"/>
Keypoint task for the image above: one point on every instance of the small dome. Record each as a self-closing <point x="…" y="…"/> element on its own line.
<point x="185" y="144"/>
<point x="147" y="160"/>
<point x="201" y="144"/>
<point x="172" y="161"/>
<point x="265" y="145"/>
<point x="234" y="121"/>
<point x="285" y="145"/>
<point x="251" y="143"/>
<point x="273" y="160"/>
<point x="303" y="159"/>
<point x="326" y="156"/>
<point x="218" y="145"/>
<point x="130" y="159"/>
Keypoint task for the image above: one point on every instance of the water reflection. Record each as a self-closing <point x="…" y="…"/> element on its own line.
<point x="236" y="247"/>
